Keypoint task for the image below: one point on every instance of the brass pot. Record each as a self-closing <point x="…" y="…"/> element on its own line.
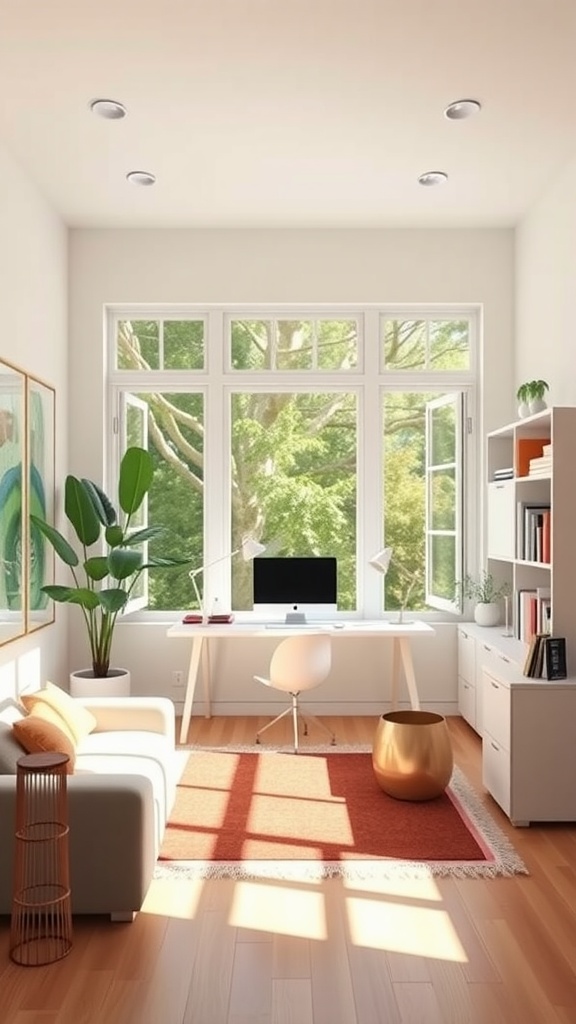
<point x="412" y="755"/>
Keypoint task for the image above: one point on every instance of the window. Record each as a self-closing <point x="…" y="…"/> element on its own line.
<point x="319" y="431"/>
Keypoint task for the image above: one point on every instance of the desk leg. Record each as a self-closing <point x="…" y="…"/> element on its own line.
<point x="190" y="686"/>
<point x="408" y="667"/>
<point x="206" y="677"/>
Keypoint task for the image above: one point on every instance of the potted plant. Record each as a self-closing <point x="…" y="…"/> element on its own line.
<point x="487" y="594"/>
<point x="531" y="397"/>
<point x="103" y="582"/>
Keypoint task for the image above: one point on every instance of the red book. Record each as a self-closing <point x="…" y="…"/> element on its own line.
<point x="546" y="536"/>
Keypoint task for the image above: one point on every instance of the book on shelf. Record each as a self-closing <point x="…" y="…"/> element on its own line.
<point x="528" y="448"/>
<point x="534" y="661"/>
<point x="555" y="657"/>
<point x="530" y="530"/>
<point x="547" y="449"/>
<point x="541" y="465"/>
<point x="504" y="474"/>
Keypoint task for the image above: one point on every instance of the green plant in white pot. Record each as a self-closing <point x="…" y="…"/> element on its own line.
<point x="487" y="593"/>
<point x="104" y="581"/>
<point x="530" y="395"/>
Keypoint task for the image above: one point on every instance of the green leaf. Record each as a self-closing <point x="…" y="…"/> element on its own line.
<point x="58" y="542"/>
<point x="80" y="511"/>
<point x="136" y="472"/>
<point x="96" y="568"/>
<point x="146" y="534"/>
<point x="114" y="536"/>
<point x="87" y="598"/>
<point x="165" y="562"/>
<point x="58" y="593"/>
<point x="113" y="599"/>
<point x="123" y="562"/>
<point x="101" y="503"/>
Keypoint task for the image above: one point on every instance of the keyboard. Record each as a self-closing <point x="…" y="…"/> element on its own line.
<point x="299" y="626"/>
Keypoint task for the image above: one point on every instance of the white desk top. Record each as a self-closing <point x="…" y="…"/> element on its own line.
<point x="354" y="627"/>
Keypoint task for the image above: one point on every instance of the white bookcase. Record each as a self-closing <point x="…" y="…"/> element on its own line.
<point x="505" y="558"/>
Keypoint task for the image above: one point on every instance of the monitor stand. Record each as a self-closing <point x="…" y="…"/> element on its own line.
<point x="295" y="619"/>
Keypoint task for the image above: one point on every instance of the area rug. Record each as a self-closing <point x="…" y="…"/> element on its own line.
<point x="245" y="812"/>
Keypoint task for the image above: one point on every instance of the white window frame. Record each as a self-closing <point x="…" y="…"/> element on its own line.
<point x="217" y="381"/>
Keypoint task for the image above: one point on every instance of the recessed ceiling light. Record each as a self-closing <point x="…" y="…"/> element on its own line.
<point x="460" y="109"/>
<point x="433" y="178"/>
<point x="110" y="109"/>
<point x="141" y="177"/>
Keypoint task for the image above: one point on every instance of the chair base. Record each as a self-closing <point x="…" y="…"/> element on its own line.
<point x="296" y="713"/>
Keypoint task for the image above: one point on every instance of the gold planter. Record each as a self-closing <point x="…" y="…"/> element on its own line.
<point x="412" y="755"/>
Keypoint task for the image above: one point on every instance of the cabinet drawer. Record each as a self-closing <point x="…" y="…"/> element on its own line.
<point x="466" y="656"/>
<point x="496" y="711"/>
<point x="467" y="701"/>
<point x="501" y="519"/>
<point x="490" y="659"/>
<point x="496" y="772"/>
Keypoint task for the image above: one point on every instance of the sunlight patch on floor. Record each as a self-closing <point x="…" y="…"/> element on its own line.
<point x="172" y="898"/>
<point x="416" y="889"/>
<point x="398" y="928"/>
<point x="286" y="910"/>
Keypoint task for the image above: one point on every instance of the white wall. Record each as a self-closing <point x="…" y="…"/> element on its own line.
<point x="33" y="299"/>
<point x="428" y="266"/>
<point x="546" y="286"/>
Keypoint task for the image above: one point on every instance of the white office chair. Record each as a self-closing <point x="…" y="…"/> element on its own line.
<point x="299" y="663"/>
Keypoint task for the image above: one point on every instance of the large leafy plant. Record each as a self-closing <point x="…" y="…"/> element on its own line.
<point x="103" y="582"/>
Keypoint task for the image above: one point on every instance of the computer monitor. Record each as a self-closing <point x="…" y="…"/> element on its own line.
<point x="299" y="588"/>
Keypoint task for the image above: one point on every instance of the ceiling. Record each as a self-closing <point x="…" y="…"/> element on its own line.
<point x="289" y="113"/>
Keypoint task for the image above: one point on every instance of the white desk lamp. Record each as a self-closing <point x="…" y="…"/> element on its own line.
<point x="249" y="547"/>
<point x="381" y="562"/>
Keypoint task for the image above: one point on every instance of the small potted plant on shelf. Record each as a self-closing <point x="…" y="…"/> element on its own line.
<point x="531" y="397"/>
<point x="103" y="582"/>
<point x="487" y="593"/>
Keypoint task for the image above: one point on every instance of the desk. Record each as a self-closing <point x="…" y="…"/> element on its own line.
<point x="399" y="632"/>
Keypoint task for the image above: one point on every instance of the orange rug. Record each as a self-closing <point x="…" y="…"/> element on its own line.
<point x="237" y="811"/>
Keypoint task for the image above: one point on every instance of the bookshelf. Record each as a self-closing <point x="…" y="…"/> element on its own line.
<point x="531" y="521"/>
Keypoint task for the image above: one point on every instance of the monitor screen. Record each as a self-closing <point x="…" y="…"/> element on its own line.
<point x="294" y="586"/>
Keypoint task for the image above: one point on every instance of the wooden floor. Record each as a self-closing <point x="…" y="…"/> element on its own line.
<point x="436" y="951"/>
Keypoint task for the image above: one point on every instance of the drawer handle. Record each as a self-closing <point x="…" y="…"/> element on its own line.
<point x="486" y="648"/>
<point x="504" y="658"/>
<point x="492" y="744"/>
<point x="495" y="685"/>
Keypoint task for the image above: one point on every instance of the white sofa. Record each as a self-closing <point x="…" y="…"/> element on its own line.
<point x="119" y="797"/>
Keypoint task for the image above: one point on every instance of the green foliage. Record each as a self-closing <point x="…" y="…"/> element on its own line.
<point x="484" y="590"/>
<point x="95" y="520"/>
<point x="532" y="390"/>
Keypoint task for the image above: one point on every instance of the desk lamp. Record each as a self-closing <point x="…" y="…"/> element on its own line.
<point x="249" y="547"/>
<point x="381" y="562"/>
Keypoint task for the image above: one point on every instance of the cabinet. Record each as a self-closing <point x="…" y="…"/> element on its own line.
<point x="528" y="727"/>
<point x="535" y="552"/>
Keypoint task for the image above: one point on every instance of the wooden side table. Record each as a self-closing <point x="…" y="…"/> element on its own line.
<point x="41" y="924"/>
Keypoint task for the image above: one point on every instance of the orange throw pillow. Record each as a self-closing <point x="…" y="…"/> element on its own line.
<point x="78" y="720"/>
<point x="38" y="736"/>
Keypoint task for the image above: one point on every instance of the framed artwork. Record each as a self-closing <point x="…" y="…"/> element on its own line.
<point x="12" y="501"/>
<point x="40" y="459"/>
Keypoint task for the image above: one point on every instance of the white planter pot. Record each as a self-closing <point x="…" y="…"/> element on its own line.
<point x="536" y="405"/>
<point x="487" y="614"/>
<point x="523" y="410"/>
<point x="83" y="683"/>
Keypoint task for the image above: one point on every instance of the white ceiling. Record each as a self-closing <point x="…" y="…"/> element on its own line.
<point x="289" y="113"/>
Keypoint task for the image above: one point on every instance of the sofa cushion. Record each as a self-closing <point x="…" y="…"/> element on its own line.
<point x="133" y="751"/>
<point x="10" y="749"/>
<point x="38" y="736"/>
<point x="45" y="711"/>
<point x="78" y="721"/>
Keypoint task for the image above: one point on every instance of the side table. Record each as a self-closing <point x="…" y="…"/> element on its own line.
<point x="41" y="924"/>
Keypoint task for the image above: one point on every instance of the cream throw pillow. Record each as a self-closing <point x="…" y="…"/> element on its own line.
<point x="76" y="719"/>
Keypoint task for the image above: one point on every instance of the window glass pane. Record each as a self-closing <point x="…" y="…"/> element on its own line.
<point x="443" y="436"/>
<point x="183" y="345"/>
<point x="449" y="345"/>
<point x="251" y="344"/>
<point x="405" y="498"/>
<point x="294" y="349"/>
<point x="443" y="566"/>
<point x="138" y="345"/>
<point x="405" y="344"/>
<point x="294" y="482"/>
<point x="337" y="344"/>
<point x="176" y="498"/>
<point x="443" y="500"/>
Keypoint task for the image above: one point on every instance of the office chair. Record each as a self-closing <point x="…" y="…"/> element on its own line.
<point x="299" y="663"/>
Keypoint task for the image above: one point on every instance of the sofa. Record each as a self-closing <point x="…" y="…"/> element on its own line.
<point x="120" y="794"/>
